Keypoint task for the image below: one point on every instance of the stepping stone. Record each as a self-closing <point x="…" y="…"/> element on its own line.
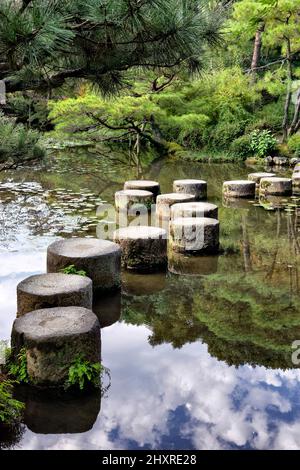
<point x="100" y="259"/>
<point x="258" y="176"/>
<point x="53" y="338"/>
<point x="143" y="248"/>
<point x="144" y="185"/>
<point x="194" y="209"/>
<point x="137" y="198"/>
<point x="276" y="186"/>
<point x="296" y="181"/>
<point x="165" y="201"/>
<point x="194" y="235"/>
<point x="296" y="169"/>
<point x="198" y="188"/>
<point x="239" y="188"/>
<point x="54" y="290"/>
<point x="280" y="161"/>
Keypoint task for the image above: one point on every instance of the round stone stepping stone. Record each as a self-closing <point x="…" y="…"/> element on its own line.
<point x="256" y="177"/>
<point x="184" y="265"/>
<point x="276" y="186"/>
<point x="165" y="201"/>
<point x="296" y="181"/>
<point x="126" y="199"/>
<point x="194" y="209"/>
<point x="100" y="259"/>
<point x="239" y="188"/>
<point x="144" y="185"/>
<point x="53" y="338"/>
<point x="54" y="290"/>
<point x="194" y="235"/>
<point x="198" y="188"/>
<point x="296" y="169"/>
<point x="143" y="248"/>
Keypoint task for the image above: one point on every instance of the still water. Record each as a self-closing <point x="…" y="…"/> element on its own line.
<point x="201" y="356"/>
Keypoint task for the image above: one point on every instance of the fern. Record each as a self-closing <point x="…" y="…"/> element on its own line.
<point x="18" y="369"/>
<point x="83" y="373"/>
<point x="10" y="409"/>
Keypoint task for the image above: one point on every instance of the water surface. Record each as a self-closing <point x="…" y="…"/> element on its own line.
<point x="200" y="356"/>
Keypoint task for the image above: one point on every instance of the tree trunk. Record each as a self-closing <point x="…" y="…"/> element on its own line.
<point x="295" y="125"/>
<point x="288" y="99"/>
<point x="257" y="49"/>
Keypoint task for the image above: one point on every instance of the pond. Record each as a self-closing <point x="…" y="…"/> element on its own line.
<point x="201" y="356"/>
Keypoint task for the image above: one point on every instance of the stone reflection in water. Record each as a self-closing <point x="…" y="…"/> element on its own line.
<point x="134" y="284"/>
<point x="192" y="265"/>
<point x="108" y="308"/>
<point x="53" y="412"/>
<point x="236" y="203"/>
<point x="270" y="202"/>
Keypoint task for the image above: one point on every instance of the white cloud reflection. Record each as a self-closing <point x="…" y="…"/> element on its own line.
<point x="224" y="406"/>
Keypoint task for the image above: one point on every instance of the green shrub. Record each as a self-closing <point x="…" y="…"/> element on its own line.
<point x="268" y="117"/>
<point x="10" y="409"/>
<point x="262" y="143"/>
<point x="294" y="145"/>
<point x="241" y="147"/>
<point x="71" y="269"/>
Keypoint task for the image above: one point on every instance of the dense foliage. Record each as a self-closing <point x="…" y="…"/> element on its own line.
<point x="119" y="72"/>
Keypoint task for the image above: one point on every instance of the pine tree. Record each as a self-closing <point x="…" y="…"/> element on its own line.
<point x="45" y="42"/>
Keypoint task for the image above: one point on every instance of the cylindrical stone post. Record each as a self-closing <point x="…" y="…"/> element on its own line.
<point x="296" y="169"/>
<point x="194" y="235"/>
<point x="256" y="177"/>
<point x="100" y="259"/>
<point x="276" y="186"/>
<point x="239" y="188"/>
<point x="194" y="209"/>
<point x="128" y="198"/>
<point x="296" y="182"/>
<point x="143" y="248"/>
<point x="52" y="339"/>
<point x="144" y="185"/>
<point x="198" y="188"/>
<point x="164" y="203"/>
<point x="54" y="290"/>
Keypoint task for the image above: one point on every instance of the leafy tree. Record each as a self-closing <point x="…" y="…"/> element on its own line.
<point x="274" y="27"/>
